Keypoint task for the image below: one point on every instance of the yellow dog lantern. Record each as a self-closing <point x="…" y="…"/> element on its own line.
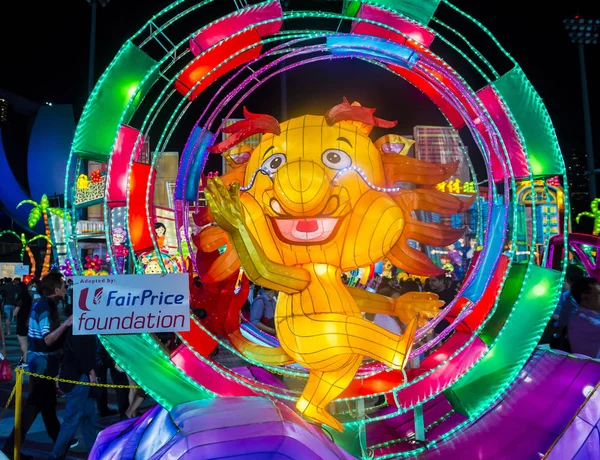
<point x="319" y="199"/>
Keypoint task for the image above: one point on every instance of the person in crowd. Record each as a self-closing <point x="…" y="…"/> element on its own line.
<point x="35" y="289"/>
<point x="566" y="307"/>
<point x="555" y="332"/>
<point x="426" y="286"/>
<point x="137" y="395"/>
<point x="409" y="285"/>
<point x="262" y="311"/>
<point x="22" y="311"/>
<point x="441" y="285"/>
<point x="78" y="360"/>
<point x="419" y="284"/>
<point x="45" y="337"/>
<point x="9" y="290"/>
<point x="136" y="398"/>
<point x="104" y="363"/>
<point x="388" y="322"/>
<point x="444" y="288"/>
<point x="584" y="327"/>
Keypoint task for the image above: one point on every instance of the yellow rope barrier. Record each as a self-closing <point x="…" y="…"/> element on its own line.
<point x="12" y="394"/>
<point x="77" y="382"/>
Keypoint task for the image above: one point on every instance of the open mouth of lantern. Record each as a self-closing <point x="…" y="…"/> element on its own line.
<point x="306" y="230"/>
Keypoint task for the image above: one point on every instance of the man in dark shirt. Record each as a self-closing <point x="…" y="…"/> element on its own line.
<point x="439" y="285"/>
<point x="44" y="338"/>
<point x="79" y="358"/>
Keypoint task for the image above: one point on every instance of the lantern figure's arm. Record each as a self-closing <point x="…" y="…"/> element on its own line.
<point x="369" y="302"/>
<point x="228" y="213"/>
<point x="267" y="355"/>
<point x="405" y="307"/>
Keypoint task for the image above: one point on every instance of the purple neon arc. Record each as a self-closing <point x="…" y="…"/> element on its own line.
<point x="527" y="420"/>
<point x="261" y="429"/>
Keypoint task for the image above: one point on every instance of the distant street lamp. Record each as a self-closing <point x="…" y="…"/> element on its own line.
<point x="585" y="32"/>
<point x="94" y="4"/>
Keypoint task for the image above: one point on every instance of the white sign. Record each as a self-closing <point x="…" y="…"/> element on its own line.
<point x="130" y="304"/>
<point x="8" y="269"/>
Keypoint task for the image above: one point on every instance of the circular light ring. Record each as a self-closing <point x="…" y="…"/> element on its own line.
<point x="492" y="139"/>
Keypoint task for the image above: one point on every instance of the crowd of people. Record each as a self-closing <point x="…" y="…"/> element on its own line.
<point x="16" y="300"/>
<point x="574" y="327"/>
<point x="260" y="308"/>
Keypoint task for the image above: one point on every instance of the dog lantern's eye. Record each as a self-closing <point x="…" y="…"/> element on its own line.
<point x="336" y="159"/>
<point x="273" y="163"/>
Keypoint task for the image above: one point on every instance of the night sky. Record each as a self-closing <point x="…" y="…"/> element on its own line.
<point x="44" y="57"/>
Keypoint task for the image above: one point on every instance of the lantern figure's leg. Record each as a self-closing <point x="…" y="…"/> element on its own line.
<point x="324" y="387"/>
<point x="350" y="338"/>
<point x="319" y="341"/>
<point x="380" y="344"/>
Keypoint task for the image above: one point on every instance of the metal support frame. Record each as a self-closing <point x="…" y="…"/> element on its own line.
<point x="585" y="32"/>
<point x="419" y="423"/>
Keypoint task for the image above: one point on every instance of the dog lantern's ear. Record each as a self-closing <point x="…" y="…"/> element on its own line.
<point x="392" y="143"/>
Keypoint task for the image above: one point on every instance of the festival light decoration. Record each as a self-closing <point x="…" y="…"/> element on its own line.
<point x="509" y="123"/>
<point x="150" y="265"/>
<point x="456" y="186"/>
<point x="594" y="213"/>
<point x="25" y="247"/>
<point x="83" y="182"/>
<point x="42" y="210"/>
<point x="66" y="269"/>
<point x="93" y="264"/>
<point x="305" y="224"/>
